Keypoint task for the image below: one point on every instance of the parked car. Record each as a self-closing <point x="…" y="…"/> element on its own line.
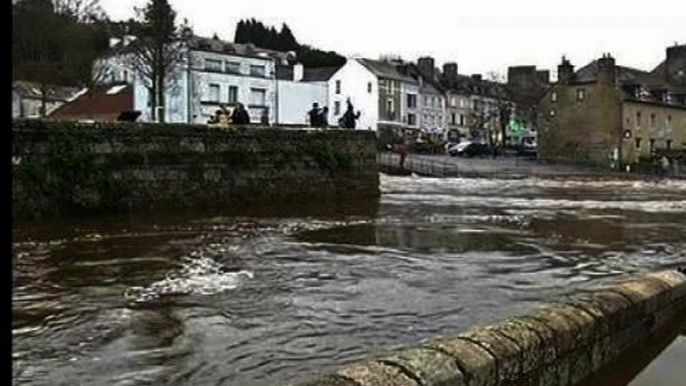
<point x="468" y="149"/>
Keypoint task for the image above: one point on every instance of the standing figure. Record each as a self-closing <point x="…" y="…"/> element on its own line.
<point x="349" y="118"/>
<point x="264" y="118"/>
<point x="324" y="117"/>
<point x="314" y="115"/>
<point x="401" y="148"/>
<point x="240" y="115"/>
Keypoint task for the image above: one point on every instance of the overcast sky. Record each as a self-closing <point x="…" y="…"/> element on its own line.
<point x="480" y="35"/>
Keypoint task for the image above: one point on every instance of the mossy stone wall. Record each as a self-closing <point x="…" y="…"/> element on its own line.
<point x="65" y="167"/>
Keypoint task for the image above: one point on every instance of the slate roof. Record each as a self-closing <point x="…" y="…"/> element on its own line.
<point x="468" y="85"/>
<point x="225" y="47"/>
<point x="627" y="77"/>
<point x="386" y="70"/>
<point x="321" y="74"/>
<point x="102" y="104"/>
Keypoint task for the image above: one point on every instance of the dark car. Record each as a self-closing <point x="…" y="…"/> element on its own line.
<point x="469" y="149"/>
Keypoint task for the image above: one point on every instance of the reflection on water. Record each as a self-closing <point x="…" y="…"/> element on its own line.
<point x="255" y="295"/>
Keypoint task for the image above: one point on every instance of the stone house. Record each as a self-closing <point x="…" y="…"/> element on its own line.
<point x="525" y="85"/>
<point x="614" y="115"/>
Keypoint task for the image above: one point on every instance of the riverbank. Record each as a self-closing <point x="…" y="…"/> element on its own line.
<point x="501" y="167"/>
<point x="66" y="168"/>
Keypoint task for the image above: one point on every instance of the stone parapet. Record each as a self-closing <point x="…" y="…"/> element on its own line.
<point x="559" y="344"/>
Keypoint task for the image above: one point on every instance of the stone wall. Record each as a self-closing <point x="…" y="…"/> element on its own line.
<point x="62" y="168"/>
<point x="559" y="344"/>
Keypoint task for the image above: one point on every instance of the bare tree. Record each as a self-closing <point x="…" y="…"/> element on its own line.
<point x="157" y="51"/>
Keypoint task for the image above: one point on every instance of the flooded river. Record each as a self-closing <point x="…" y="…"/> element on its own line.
<point x="254" y="297"/>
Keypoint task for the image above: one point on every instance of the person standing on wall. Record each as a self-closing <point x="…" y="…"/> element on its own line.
<point x="240" y="115"/>
<point x="348" y="121"/>
<point x="314" y="115"/>
<point x="324" y="117"/>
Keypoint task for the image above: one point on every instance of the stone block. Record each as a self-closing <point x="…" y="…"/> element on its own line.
<point x="647" y="293"/>
<point x="532" y="348"/>
<point x="612" y="310"/>
<point x="330" y="380"/>
<point x="477" y="364"/>
<point x="676" y="280"/>
<point x="431" y="367"/>
<point x="376" y="374"/>
<point x="580" y="365"/>
<point x="506" y="352"/>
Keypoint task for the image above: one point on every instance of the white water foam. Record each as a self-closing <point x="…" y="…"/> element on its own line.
<point x="199" y="275"/>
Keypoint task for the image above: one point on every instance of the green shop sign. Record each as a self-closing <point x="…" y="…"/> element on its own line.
<point x="516" y="126"/>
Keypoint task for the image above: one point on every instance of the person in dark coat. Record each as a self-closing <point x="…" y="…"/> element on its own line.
<point x="350" y="117"/>
<point x="315" y="115"/>
<point x="240" y="115"/>
<point x="324" y="117"/>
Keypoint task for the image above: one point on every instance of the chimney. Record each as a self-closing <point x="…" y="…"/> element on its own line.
<point x="543" y="76"/>
<point x="450" y="70"/>
<point x="607" y="71"/>
<point x="426" y="66"/>
<point x="298" y="72"/>
<point x="565" y="71"/>
<point x="675" y="65"/>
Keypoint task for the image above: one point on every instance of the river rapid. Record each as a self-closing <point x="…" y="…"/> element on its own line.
<point x="273" y="295"/>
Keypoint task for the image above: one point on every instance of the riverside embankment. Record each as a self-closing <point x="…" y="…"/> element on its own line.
<point x="64" y="168"/>
<point x="559" y="344"/>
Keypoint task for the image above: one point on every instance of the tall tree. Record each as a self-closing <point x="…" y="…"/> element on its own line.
<point x="54" y="42"/>
<point x="157" y="51"/>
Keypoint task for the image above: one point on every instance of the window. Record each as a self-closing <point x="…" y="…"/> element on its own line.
<point x="126" y="76"/>
<point x="461" y="120"/>
<point x="390" y="87"/>
<point x="258" y="71"/>
<point x="213" y="65"/>
<point x="411" y="101"/>
<point x="669" y="144"/>
<point x="426" y="100"/>
<point x="233" y="94"/>
<point x="553" y="97"/>
<point x="390" y="109"/>
<point x="453" y="119"/>
<point x="638" y="119"/>
<point x="453" y="102"/>
<point x="652" y="145"/>
<point x="337" y="108"/>
<point x="369" y="87"/>
<point x="411" y="119"/>
<point x="580" y="94"/>
<point x="338" y="87"/>
<point x="552" y="113"/>
<point x="233" y="67"/>
<point x="213" y="93"/>
<point x="638" y="143"/>
<point x="652" y="120"/>
<point x="258" y="96"/>
<point x="669" y="123"/>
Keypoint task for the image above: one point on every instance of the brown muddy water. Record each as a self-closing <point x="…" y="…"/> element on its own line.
<point x="261" y="297"/>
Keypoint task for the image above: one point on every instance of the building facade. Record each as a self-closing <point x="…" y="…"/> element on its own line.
<point x="613" y="115"/>
<point x="216" y="73"/>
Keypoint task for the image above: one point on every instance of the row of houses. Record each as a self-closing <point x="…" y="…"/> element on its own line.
<point x="602" y="113"/>
<point x="276" y="89"/>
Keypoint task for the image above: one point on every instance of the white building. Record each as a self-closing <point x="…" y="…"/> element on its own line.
<point x="27" y="98"/>
<point x="216" y="73"/>
<point x="297" y="89"/>
<point x="379" y="90"/>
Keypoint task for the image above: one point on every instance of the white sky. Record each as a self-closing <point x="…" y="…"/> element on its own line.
<point x="480" y="35"/>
